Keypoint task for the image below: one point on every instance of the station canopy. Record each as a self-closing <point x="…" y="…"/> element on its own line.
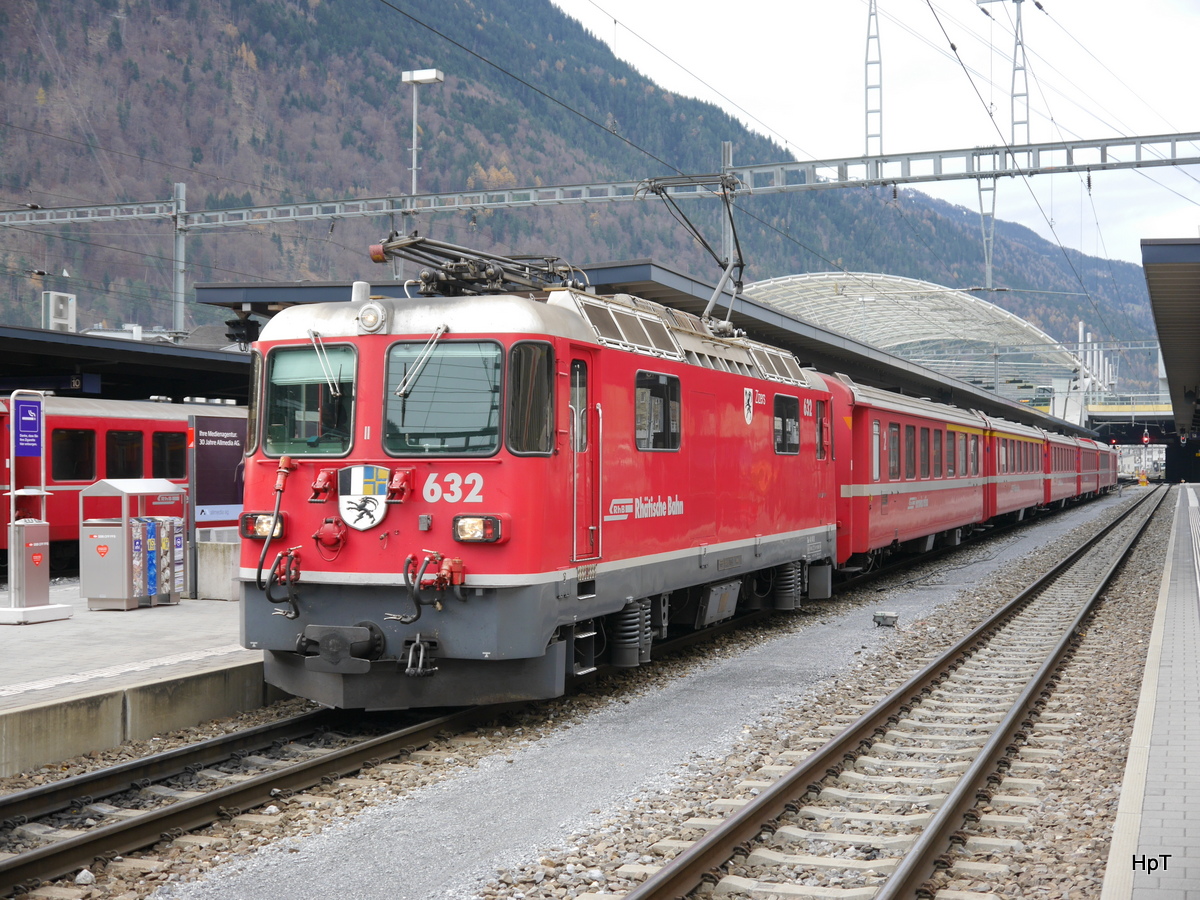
<point x="944" y="329"/>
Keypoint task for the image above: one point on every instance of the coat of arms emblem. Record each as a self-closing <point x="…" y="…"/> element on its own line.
<point x="362" y="495"/>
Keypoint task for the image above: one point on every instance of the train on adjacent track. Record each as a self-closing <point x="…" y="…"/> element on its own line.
<point x="90" y="439"/>
<point x="475" y="498"/>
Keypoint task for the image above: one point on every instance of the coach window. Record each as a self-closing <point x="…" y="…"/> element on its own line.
<point x="875" y="457"/>
<point x="168" y="454"/>
<point x="937" y="453"/>
<point x="951" y="449"/>
<point x="787" y="424"/>
<point x="974" y="454"/>
<point x="656" y="411"/>
<point x="893" y="451"/>
<point x="531" y="398"/>
<point x="310" y="395"/>
<point x="73" y="454"/>
<point x="924" y="452"/>
<point x="821" y="451"/>
<point x="123" y="454"/>
<point x="910" y="451"/>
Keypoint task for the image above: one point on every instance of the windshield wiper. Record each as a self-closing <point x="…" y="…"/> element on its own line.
<point x="404" y="388"/>
<point x="323" y="359"/>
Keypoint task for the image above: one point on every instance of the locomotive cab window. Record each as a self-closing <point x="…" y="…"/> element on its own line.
<point x="787" y="424"/>
<point x="310" y="396"/>
<point x="73" y="454"/>
<point x="445" y="400"/>
<point x="656" y="411"/>
<point x="531" y="399"/>
<point x="123" y="454"/>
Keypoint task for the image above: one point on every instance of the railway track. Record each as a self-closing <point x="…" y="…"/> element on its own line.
<point x="67" y="825"/>
<point x="55" y="829"/>
<point x="923" y="794"/>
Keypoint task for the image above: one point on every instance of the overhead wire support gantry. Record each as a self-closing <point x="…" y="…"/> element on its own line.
<point x="1019" y="161"/>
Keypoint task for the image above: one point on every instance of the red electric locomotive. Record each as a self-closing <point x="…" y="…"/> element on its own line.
<point x="470" y="499"/>
<point x="497" y="492"/>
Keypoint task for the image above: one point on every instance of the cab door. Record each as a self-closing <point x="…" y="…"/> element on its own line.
<point x="585" y="456"/>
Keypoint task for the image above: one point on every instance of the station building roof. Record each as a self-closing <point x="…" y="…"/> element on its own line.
<point x="945" y="329"/>
<point x="113" y="368"/>
<point x="1172" y="268"/>
<point x="813" y="343"/>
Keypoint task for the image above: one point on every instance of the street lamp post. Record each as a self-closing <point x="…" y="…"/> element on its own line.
<point x="419" y="76"/>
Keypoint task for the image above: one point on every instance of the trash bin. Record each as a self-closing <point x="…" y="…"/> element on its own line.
<point x="29" y="563"/>
<point x="129" y="560"/>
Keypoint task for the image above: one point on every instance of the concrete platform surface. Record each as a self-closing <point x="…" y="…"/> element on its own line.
<point x="1155" y="850"/>
<point x="106" y="649"/>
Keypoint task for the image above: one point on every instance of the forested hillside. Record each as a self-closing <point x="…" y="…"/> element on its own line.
<point x="279" y="100"/>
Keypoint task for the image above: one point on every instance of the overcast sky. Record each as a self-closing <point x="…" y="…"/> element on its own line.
<point x="1096" y="69"/>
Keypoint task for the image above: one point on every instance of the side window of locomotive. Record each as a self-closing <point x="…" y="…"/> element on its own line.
<point x="252" y="406"/>
<point x="656" y="411"/>
<point x="579" y="402"/>
<point x="531" y="398"/>
<point x="168" y="454"/>
<point x="910" y="451"/>
<point x="787" y="424"/>
<point x="309" y="401"/>
<point x="821" y="446"/>
<point x="446" y="401"/>
<point x="123" y="454"/>
<point x="875" y="455"/>
<point x="893" y="451"/>
<point x="73" y="454"/>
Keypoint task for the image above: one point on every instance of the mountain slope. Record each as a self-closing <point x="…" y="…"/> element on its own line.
<point x="282" y="100"/>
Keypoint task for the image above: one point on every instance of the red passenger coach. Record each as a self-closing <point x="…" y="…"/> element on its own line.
<point x="1061" y="468"/>
<point x="87" y="440"/>
<point x="917" y="477"/>
<point x="1014" y="462"/>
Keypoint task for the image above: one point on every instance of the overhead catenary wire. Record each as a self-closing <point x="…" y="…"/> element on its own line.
<point x="1024" y="178"/>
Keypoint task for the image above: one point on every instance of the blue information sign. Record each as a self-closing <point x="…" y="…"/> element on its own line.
<point x="28" y="417"/>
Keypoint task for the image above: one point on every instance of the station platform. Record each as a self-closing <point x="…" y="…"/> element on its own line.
<point x="102" y="677"/>
<point x="1155" y="849"/>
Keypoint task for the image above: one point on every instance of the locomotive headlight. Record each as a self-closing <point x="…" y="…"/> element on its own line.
<point x="371" y="318"/>
<point x="479" y="529"/>
<point x="257" y="525"/>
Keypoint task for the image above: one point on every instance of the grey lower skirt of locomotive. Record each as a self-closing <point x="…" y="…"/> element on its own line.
<point x="503" y="645"/>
